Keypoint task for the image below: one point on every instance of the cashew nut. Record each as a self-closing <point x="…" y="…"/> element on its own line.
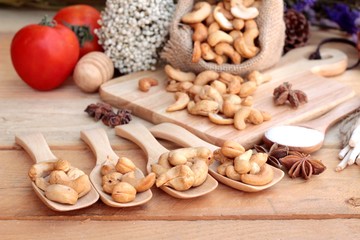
<point x="263" y="177"/>
<point x="220" y="18"/>
<point x="259" y="158"/>
<point x="213" y="27"/>
<point x="233" y="82"/>
<point x="232" y="149"/>
<point x="219" y="36"/>
<point x="238" y="24"/>
<point x="163" y="160"/>
<point x="182" y="99"/>
<point x="231" y="105"/>
<point x="182" y="155"/>
<point x="247" y="89"/>
<point x="41" y="183"/>
<point x="247" y="101"/>
<point x="123" y="192"/>
<point x="240" y="117"/>
<point x="146" y="83"/>
<point x="259" y="78"/>
<point x="125" y="165"/>
<point x="245" y="45"/>
<point x="230" y="172"/>
<point x="221" y="169"/>
<point x="205" y="77"/>
<point x="63" y="165"/>
<point x="220" y="120"/>
<point x="180" y="177"/>
<point x="206" y="52"/>
<point x="200" y="12"/>
<point x="219" y="156"/>
<point x="179" y="75"/>
<point x="81" y="184"/>
<point x="240" y="11"/>
<point x="203" y="107"/>
<point x="235" y="34"/>
<point x="200" y="32"/>
<point x="158" y="169"/>
<point x="200" y="170"/>
<point x="242" y="162"/>
<point x="61" y="194"/>
<point x="74" y="173"/>
<point x="196" y="56"/>
<point x="226" y="49"/>
<point x="141" y="185"/>
<point x="209" y="93"/>
<point x="219" y="86"/>
<point x="255" y="117"/>
<point x="110" y="180"/>
<point x="107" y="168"/>
<point x="41" y="169"/>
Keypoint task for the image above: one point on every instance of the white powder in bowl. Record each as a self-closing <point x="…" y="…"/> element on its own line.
<point x="294" y="136"/>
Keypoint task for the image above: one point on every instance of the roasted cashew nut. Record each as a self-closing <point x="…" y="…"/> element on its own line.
<point x="125" y="165"/>
<point x="123" y="192"/>
<point x="206" y="52"/>
<point x="232" y="149"/>
<point x="221" y="169"/>
<point x="200" y="32"/>
<point x="203" y="107"/>
<point x="142" y="184"/>
<point x="247" y="89"/>
<point x="220" y="120"/>
<point x="263" y="177"/>
<point x="220" y="18"/>
<point x="231" y="173"/>
<point x="179" y="75"/>
<point x="41" y="169"/>
<point x="200" y="12"/>
<point x="146" y="83"/>
<point x="242" y="162"/>
<point x="180" y="178"/>
<point x="240" y="11"/>
<point x="182" y="155"/>
<point x="219" y="36"/>
<point x="231" y="105"/>
<point x="61" y="194"/>
<point x="182" y="100"/>
<point x="200" y="170"/>
<point x="240" y="117"/>
<point x="219" y="86"/>
<point x="196" y="56"/>
<point x="110" y="180"/>
<point x="209" y="93"/>
<point x="226" y="49"/>
<point x="205" y="77"/>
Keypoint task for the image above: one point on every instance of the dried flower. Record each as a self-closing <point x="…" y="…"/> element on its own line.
<point x="133" y="32"/>
<point x="105" y="112"/>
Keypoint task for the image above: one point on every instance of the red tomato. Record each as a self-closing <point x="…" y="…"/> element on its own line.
<point x="44" y="56"/>
<point x="80" y="17"/>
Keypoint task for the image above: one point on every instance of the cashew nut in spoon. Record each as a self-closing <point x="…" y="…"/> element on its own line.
<point x="55" y="196"/>
<point x="185" y="138"/>
<point x="140" y="135"/>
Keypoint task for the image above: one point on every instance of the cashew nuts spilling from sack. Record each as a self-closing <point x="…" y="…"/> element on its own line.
<point x="119" y="180"/>
<point x="224" y="98"/>
<point x="60" y="181"/>
<point x="183" y="168"/>
<point x="246" y="166"/>
<point x="224" y="31"/>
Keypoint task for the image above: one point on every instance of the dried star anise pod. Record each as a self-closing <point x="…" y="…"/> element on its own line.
<point x="105" y="112"/>
<point x="274" y="153"/>
<point x="302" y="165"/>
<point x="284" y="93"/>
<point x="98" y="110"/>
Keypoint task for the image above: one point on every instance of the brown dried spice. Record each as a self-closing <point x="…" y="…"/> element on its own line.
<point x="284" y="93"/>
<point x="274" y="153"/>
<point x="105" y="112"/>
<point x="302" y="165"/>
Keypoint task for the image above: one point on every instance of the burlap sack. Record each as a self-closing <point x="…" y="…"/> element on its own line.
<point x="178" y="49"/>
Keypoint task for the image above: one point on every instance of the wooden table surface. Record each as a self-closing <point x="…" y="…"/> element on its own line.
<point x="292" y="209"/>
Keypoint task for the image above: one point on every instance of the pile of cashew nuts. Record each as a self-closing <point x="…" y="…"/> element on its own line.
<point x="246" y="166"/>
<point x="119" y="180"/>
<point x="60" y="181"/>
<point x="224" y="98"/>
<point x="225" y="31"/>
<point x="183" y="168"/>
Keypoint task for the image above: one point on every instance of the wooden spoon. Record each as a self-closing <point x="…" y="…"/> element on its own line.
<point x="38" y="149"/>
<point x="309" y="136"/>
<point x="99" y="143"/>
<point x="184" y="138"/>
<point x="140" y="135"/>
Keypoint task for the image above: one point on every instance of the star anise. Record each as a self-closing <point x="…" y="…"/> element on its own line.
<point x="302" y="165"/>
<point x="274" y="153"/>
<point x="105" y="112"/>
<point x="284" y="93"/>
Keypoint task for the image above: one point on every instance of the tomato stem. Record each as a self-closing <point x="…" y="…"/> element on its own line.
<point x="82" y="32"/>
<point x="46" y="21"/>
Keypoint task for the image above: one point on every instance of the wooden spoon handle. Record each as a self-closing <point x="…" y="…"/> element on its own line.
<point x="99" y="144"/>
<point x="179" y="135"/>
<point x="36" y="146"/>
<point x="325" y="121"/>
<point x="141" y="136"/>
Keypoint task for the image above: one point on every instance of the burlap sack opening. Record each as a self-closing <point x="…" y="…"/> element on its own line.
<point x="178" y="49"/>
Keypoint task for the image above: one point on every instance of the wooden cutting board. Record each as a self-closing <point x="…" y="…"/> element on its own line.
<point x="323" y="94"/>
